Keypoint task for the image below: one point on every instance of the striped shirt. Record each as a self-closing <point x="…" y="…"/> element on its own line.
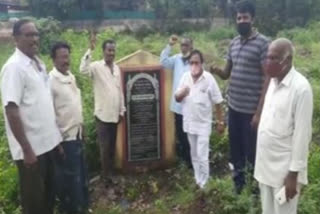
<point x="247" y="57"/>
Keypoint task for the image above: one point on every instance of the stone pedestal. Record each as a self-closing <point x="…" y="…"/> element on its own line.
<point x="146" y="136"/>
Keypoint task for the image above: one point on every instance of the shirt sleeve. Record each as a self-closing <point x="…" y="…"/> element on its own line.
<point x="264" y="51"/>
<point x="229" y="57"/>
<point x="12" y="85"/>
<point x="165" y="59"/>
<point x="214" y="91"/>
<point x="181" y="83"/>
<point x="86" y="65"/>
<point x="122" y="104"/>
<point x="302" y="131"/>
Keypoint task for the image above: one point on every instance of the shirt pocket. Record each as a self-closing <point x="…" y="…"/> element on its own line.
<point x="279" y="124"/>
<point x="201" y="98"/>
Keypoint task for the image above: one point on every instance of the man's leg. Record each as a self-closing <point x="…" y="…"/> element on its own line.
<point x="103" y="141"/>
<point x="290" y="207"/>
<point x="183" y="148"/>
<point x="236" y="149"/>
<point x="36" y="186"/>
<point x="267" y="199"/>
<point x="250" y="142"/>
<point x="74" y="189"/>
<point x="194" y="157"/>
<point x="113" y="139"/>
<point x="203" y="156"/>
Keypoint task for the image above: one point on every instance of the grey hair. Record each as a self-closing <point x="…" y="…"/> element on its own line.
<point x="286" y="46"/>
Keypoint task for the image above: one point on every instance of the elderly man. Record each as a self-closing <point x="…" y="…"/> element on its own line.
<point x="284" y="132"/>
<point x="178" y="63"/>
<point x="71" y="179"/>
<point x="246" y="91"/>
<point x="30" y="120"/>
<point x="109" y="102"/>
<point x="198" y="92"/>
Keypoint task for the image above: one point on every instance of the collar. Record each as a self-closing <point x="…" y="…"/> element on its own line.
<point x="286" y="81"/>
<point x="22" y="57"/>
<point x="62" y="78"/>
<point x="199" y="79"/>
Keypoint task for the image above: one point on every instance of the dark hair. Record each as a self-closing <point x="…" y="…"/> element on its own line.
<point x="187" y="38"/>
<point x="16" y="31"/>
<point x="108" y="41"/>
<point x="57" y="46"/>
<point x="246" y="6"/>
<point x="197" y="52"/>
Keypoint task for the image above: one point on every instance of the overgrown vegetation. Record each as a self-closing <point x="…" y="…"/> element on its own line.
<point x="171" y="191"/>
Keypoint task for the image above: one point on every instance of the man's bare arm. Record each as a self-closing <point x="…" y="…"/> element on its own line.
<point x="16" y="125"/>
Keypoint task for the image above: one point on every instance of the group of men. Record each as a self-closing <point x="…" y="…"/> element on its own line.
<point x="44" y="121"/>
<point x="270" y="108"/>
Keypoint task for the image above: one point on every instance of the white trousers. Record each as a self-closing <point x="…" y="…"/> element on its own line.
<point x="271" y="206"/>
<point x="199" y="151"/>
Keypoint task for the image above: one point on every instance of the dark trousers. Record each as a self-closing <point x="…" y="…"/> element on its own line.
<point x="183" y="147"/>
<point x="242" y="138"/>
<point x="71" y="178"/>
<point x="107" y="136"/>
<point x="37" y="185"/>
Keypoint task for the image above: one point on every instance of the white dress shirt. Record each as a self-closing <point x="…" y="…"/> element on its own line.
<point x="67" y="104"/>
<point x="108" y="95"/>
<point x="198" y="105"/>
<point x="25" y="83"/>
<point x="285" y="130"/>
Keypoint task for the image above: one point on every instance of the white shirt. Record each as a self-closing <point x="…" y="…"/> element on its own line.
<point x="285" y="130"/>
<point x="23" y="84"/>
<point x="67" y="104"/>
<point x="197" y="106"/>
<point x="108" y="95"/>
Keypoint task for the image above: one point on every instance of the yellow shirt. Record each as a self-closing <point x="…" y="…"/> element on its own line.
<point x="108" y="95"/>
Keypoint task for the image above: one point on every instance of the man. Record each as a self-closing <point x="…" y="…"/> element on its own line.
<point x="284" y="132"/>
<point x="246" y="91"/>
<point x="30" y="120"/>
<point x="198" y="92"/>
<point x="109" y="101"/>
<point x="179" y="65"/>
<point x="72" y="187"/>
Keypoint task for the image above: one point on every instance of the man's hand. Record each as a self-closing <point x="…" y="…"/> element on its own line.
<point x="93" y="40"/>
<point x="290" y="183"/>
<point x="185" y="91"/>
<point x="255" y="121"/>
<point x="30" y="159"/>
<point x="61" y="151"/>
<point x="220" y="127"/>
<point x="173" y="40"/>
<point x="182" y="93"/>
<point x="215" y="70"/>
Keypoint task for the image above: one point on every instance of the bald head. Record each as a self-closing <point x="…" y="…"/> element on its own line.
<point x="279" y="58"/>
<point x="283" y="46"/>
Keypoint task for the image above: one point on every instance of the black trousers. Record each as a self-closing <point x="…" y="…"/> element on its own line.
<point x="107" y="136"/>
<point x="183" y="147"/>
<point x="71" y="178"/>
<point x="37" y="185"/>
<point x="242" y="139"/>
